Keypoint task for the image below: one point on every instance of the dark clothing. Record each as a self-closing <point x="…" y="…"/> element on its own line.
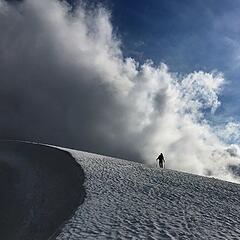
<point x="161" y="160"/>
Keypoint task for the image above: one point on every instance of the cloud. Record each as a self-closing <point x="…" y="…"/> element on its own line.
<point x="64" y="81"/>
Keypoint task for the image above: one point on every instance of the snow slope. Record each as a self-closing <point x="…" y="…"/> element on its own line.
<point x="40" y="187"/>
<point x="126" y="200"/>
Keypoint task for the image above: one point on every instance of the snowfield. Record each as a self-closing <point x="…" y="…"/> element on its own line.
<point x="126" y="200"/>
<point x="42" y="197"/>
<point x="40" y="187"/>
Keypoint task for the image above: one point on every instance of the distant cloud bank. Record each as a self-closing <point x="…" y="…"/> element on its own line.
<point x="64" y="81"/>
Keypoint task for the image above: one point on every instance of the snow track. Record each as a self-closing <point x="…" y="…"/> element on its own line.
<point x="126" y="200"/>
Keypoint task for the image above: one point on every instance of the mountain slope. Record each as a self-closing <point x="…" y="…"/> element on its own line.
<point x="40" y="188"/>
<point x="126" y="200"/>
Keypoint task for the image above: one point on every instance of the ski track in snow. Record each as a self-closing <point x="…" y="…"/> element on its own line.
<point x="126" y="200"/>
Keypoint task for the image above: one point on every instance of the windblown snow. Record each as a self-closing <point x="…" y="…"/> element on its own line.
<point x="126" y="200"/>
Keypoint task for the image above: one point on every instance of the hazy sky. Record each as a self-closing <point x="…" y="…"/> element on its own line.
<point x="124" y="78"/>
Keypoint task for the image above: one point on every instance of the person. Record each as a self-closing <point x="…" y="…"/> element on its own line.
<point x="161" y="160"/>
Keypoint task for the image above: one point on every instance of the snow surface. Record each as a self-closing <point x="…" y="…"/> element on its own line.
<point x="126" y="200"/>
<point x="40" y="188"/>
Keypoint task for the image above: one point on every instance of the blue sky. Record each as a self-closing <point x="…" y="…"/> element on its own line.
<point x="186" y="35"/>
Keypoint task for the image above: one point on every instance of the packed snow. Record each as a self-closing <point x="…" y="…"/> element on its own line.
<point x="127" y="200"/>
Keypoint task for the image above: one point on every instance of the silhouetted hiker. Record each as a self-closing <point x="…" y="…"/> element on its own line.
<point x="161" y="160"/>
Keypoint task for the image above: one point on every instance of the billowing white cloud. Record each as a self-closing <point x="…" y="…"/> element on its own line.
<point x="229" y="132"/>
<point x="65" y="81"/>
